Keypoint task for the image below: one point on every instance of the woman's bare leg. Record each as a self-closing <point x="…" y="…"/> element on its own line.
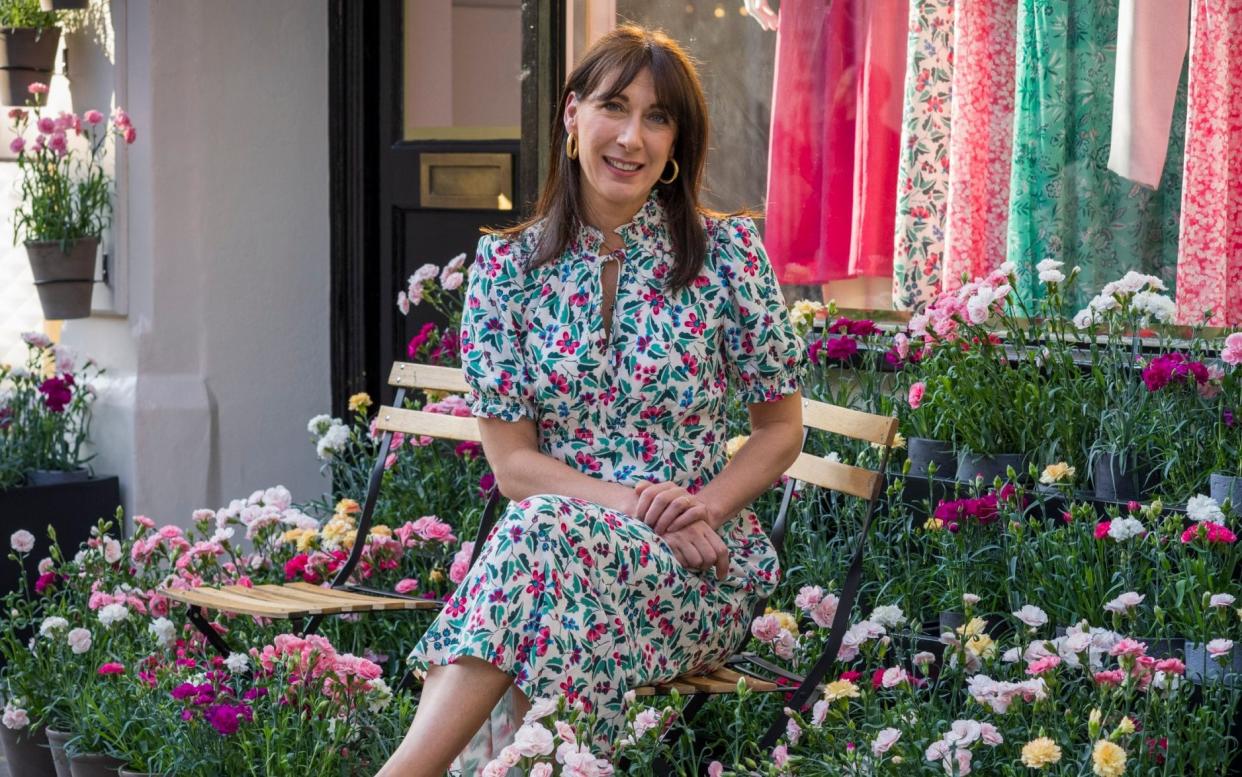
<point x="456" y="700"/>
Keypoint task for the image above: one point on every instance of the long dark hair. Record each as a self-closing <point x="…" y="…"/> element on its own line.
<point x="622" y="54"/>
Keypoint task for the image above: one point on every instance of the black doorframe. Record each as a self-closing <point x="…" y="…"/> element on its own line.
<point x="360" y="37"/>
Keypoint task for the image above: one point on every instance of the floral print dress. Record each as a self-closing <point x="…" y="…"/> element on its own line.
<point x="571" y="598"/>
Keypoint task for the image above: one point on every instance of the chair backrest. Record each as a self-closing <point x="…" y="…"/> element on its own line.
<point x="406" y="376"/>
<point x="844" y="478"/>
<point x="837" y="476"/>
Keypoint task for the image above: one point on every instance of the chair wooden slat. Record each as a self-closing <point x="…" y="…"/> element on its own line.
<point x="721" y="681"/>
<point x="878" y="429"/>
<point x="215" y="599"/>
<point x="291" y="599"/>
<point x="447" y="427"/>
<point x="377" y="602"/>
<point x="427" y="376"/>
<point x="834" y="475"/>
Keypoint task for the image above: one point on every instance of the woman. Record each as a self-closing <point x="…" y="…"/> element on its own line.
<point x="599" y="340"/>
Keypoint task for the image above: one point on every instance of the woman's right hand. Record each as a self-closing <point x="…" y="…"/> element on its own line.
<point x="700" y="548"/>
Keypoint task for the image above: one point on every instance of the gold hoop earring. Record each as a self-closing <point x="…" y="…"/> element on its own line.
<point x="676" y="172"/>
<point x="571" y="146"/>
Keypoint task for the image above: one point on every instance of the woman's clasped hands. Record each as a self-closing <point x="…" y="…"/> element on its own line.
<point x="684" y="521"/>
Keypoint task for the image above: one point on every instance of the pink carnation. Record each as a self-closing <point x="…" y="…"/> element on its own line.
<point x="37" y="88"/>
<point x="915" y="395"/>
<point x="1232" y="354"/>
<point x="461" y="562"/>
<point x="1128" y="647"/>
<point x="1045" y="664"/>
<point x="112" y="667"/>
<point x="405" y="586"/>
<point x="1213" y="532"/>
<point x="1110" y="677"/>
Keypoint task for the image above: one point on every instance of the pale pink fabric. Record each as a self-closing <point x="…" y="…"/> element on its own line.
<point x="1209" y="266"/>
<point x="809" y="213"/>
<point x="1151" y="47"/>
<point x="982" y="139"/>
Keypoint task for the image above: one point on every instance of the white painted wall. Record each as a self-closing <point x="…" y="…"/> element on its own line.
<point x="223" y="353"/>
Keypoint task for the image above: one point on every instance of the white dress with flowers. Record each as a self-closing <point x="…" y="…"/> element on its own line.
<point x="571" y="598"/>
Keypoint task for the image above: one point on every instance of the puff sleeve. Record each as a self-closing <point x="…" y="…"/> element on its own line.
<point x="766" y="357"/>
<point x="491" y="334"/>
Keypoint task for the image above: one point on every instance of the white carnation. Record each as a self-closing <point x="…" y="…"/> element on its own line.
<point x="113" y="614"/>
<point x="890" y="616"/>
<point x="52" y="625"/>
<point x="1204" y="508"/>
<point x="237" y="662"/>
<point x="1125" y="528"/>
<point x="332" y="442"/>
<point x="1153" y="307"/>
<point x="164" y="631"/>
<point x="320" y="424"/>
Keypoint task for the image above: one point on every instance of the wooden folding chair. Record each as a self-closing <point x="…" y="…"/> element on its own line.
<point x="310" y="603"/>
<point x="834" y="476"/>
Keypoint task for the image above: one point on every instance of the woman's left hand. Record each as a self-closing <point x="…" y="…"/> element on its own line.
<point x="667" y="507"/>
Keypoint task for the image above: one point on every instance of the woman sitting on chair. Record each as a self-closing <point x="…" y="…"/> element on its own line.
<point x="600" y="340"/>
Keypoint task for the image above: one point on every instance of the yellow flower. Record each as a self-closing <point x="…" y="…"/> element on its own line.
<point x="340" y="531"/>
<point x="841" y="689"/>
<point x="1108" y="760"/>
<point x="1055" y="473"/>
<point x="305" y="538"/>
<point x="381" y="530"/>
<point x="788" y="622"/>
<point x="973" y="628"/>
<point x="347" y="507"/>
<point x="1126" y="726"/>
<point x="803" y="312"/>
<point x="435" y="576"/>
<point x="359" y="401"/>
<point x="734" y="445"/>
<point x="981" y="645"/>
<point x="933" y="524"/>
<point x="1040" y="752"/>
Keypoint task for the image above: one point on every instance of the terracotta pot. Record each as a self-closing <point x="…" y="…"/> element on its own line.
<point x="65" y="278"/>
<point x="56" y="740"/>
<point x="26" y="752"/>
<point x="26" y="56"/>
<point x="95" y="765"/>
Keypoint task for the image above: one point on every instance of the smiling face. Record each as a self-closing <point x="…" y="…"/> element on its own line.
<point x="624" y="143"/>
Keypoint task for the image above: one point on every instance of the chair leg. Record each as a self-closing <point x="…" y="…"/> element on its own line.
<point x="196" y="616"/>
<point x="663" y="766"/>
<point x="311" y="625"/>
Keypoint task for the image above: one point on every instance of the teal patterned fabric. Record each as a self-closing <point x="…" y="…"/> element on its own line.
<point x="1065" y="202"/>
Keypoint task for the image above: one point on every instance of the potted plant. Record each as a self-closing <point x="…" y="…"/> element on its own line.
<point x="45" y="414"/>
<point x="66" y="199"/>
<point x="1226" y="481"/>
<point x="29" y="37"/>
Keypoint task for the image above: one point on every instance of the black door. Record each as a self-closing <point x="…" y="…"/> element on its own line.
<point x="429" y="140"/>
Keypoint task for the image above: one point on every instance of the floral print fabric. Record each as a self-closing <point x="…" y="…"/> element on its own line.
<point x="923" y="181"/>
<point x="569" y="597"/>
<point x="1209" y="273"/>
<point x="1065" y="204"/>
<point x="981" y="143"/>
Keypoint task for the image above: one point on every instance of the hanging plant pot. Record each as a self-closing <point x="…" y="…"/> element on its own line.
<point x="1227" y="487"/>
<point x="971" y="466"/>
<point x="26" y="752"/>
<point x="65" y="279"/>
<point x="1115" y="477"/>
<point x="63" y="5"/>
<point x="26" y="56"/>
<point x="922" y="451"/>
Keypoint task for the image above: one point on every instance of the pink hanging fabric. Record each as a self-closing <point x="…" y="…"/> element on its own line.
<point x="877" y="138"/>
<point x="980" y="145"/>
<point x="808" y="221"/>
<point x="1209" y="265"/>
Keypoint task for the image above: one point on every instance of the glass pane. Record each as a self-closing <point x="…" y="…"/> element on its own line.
<point x="463" y="60"/>
<point x="735" y="57"/>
